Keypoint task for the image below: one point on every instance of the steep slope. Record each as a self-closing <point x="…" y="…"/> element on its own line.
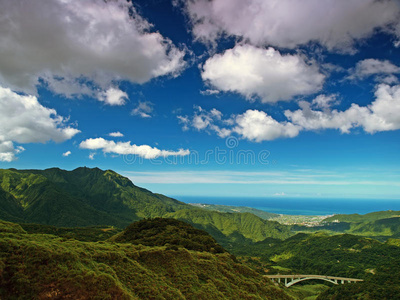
<point x="34" y="266"/>
<point x="381" y="227"/>
<point x="171" y="232"/>
<point x="382" y="281"/>
<point x="81" y="197"/>
<point x="90" y="197"/>
<point x="10" y="208"/>
<point x="246" y="224"/>
<point x="381" y="224"/>
<point x="357" y="218"/>
<point x="236" y="209"/>
<point x="110" y="192"/>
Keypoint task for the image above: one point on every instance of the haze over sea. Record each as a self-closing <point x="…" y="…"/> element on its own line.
<point x="301" y="206"/>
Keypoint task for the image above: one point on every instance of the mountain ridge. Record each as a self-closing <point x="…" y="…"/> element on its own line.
<point x="90" y="197"/>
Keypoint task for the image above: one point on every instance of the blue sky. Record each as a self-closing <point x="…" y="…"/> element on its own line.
<point x="207" y="98"/>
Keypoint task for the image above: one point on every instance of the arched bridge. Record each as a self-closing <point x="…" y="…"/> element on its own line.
<point x="293" y="279"/>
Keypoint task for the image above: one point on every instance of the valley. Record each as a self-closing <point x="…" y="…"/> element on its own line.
<point x="88" y="229"/>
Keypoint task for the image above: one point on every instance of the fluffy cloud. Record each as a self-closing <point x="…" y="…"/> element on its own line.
<point x="383" y="114"/>
<point x="80" y="47"/>
<point x="184" y="120"/>
<point x="324" y="101"/>
<point x="116" y="134"/>
<point x="66" y="154"/>
<point x="253" y="125"/>
<point x="125" y="148"/>
<point x="205" y="120"/>
<point x="113" y="96"/>
<point x="143" y="109"/>
<point x="8" y="151"/>
<point x="257" y="126"/>
<point x="263" y="73"/>
<point x="334" y="24"/>
<point x="24" y="120"/>
<point x="368" y="67"/>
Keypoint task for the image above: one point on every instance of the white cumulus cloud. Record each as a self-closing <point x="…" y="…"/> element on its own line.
<point x="253" y="125"/>
<point x="383" y="114"/>
<point x="371" y="66"/>
<point x="205" y="120"/>
<point x="113" y="96"/>
<point x="263" y="73"/>
<point x="24" y="120"/>
<point x="80" y="47"/>
<point x="290" y="23"/>
<point x="125" y="148"/>
<point x="66" y="154"/>
<point x="257" y="126"/>
<point x="116" y="134"/>
<point x="143" y="109"/>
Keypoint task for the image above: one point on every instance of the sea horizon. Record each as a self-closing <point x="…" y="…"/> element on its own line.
<point x="300" y="206"/>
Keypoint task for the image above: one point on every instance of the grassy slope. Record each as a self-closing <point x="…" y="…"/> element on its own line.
<point x="380" y="225"/>
<point x="235" y="209"/>
<point x="339" y="255"/>
<point x="41" y="266"/>
<point x="249" y="225"/>
<point x="88" y="197"/>
<point x="357" y="218"/>
<point x="86" y="234"/>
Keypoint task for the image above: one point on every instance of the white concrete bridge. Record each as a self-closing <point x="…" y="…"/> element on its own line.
<point x="289" y="280"/>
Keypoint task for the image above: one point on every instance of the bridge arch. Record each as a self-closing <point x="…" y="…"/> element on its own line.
<point x="289" y="284"/>
<point x="290" y="280"/>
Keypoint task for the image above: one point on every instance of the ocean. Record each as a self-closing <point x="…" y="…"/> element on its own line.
<point x="301" y="206"/>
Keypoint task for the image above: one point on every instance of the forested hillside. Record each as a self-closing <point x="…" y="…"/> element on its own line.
<point x="341" y="255"/>
<point x="92" y="197"/>
<point x="237" y="209"/>
<point x="44" y="266"/>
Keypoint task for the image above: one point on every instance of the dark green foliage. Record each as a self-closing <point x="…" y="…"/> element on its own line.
<point x="329" y="227"/>
<point x="234" y="225"/>
<point x="168" y="232"/>
<point x="43" y="266"/>
<point x="10" y="208"/>
<point x="81" y="197"/>
<point x="92" y="197"/>
<point x="10" y="227"/>
<point x="356" y="218"/>
<point x="341" y="255"/>
<point x="235" y="209"/>
<point x="86" y="234"/>
<point x="383" y="284"/>
<point x="383" y="227"/>
<point x="380" y="225"/>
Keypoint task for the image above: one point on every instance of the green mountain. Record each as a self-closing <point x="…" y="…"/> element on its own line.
<point x="44" y="266"/>
<point x="236" y="209"/>
<point x="86" y="234"/>
<point x="345" y="255"/>
<point x="171" y="232"/>
<point x="92" y="197"/>
<point x="357" y="218"/>
<point x="81" y="197"/>
<point x="231" y="224"/>
<point x="382" y="227"/>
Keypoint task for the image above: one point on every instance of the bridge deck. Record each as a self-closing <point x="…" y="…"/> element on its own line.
<point x="311" y="276"/>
